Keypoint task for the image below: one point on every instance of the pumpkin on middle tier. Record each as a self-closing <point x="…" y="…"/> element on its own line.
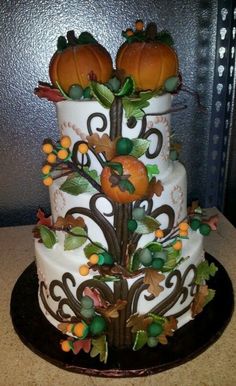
<point x="138" y="177"/>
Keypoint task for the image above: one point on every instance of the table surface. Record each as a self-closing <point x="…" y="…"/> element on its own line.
<point x="20" y="366"/>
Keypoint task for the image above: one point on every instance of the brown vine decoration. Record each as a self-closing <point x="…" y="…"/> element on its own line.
<point x="106" y="227"/>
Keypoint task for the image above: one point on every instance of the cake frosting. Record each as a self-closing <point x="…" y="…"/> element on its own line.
<point x="120" y="261"/>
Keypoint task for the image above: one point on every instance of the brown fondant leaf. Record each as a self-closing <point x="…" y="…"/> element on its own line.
<point x="139" y="322"/>
<point x="154" y="187"/>
<point x="199" y="300"/>
<point x="170" y="326"/>
<point x="112" y="311"/>
<point x="69" y="222"/>
<point x="152" y="278"/>
<point x="103" y="144"/>
<point x="212" y="222"/>
<point x="62" y="327"/>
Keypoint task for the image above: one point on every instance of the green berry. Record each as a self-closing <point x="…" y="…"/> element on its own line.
<point x="114" y="84"/>
<point x="124" y="146"/>
<point x="105" y="258"/>
<point x="195" y="223"/>
<point x="87" y="302"/>
<point x="154" y="329"/>
<point x="132" y="225"/>
<point x="158" y="263"/>
<point x="152" y="341"/>
<point x="138" y="214"/>
<point x="205" y="229"/>
<point x="75" y="91"/>
<point x="145" y="257"/>
<point x="87" y="94"/>
<point x="160" y="255"/>
<point x="87" y="313"/>
<point x="97" y="325"/>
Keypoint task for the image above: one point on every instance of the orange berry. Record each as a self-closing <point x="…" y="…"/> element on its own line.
<point x="48" y="181"/>
<point x="177" y="245"/>
<point x="139" y="25"/>
<point x="159" y="233"/>
<point x="46" y="169"/>
<point x="129" y="32"/>
<point x="94" y="258"/>
<point x="79" y="329"/>
<point x="65" y="141"/>
<point x="84" y="270"/>
<point x="83" y="148"/>
<point x="51" y="158"/>
<point x="69" y="327"/>
<point x="65" y="345"/>
<point x="183" y="226"/>
<point x="183" y="233"/>
<point x="62" y="154"/>
<point x="47" y="148"/>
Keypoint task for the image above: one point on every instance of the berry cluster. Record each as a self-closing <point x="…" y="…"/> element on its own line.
<point x="103" y="258"/>
<point x="95" y="324"/>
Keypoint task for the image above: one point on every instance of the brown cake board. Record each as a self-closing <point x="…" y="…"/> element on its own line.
<point x="188" y="342"/>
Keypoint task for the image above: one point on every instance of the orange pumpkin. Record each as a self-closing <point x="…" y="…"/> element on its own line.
<point x="73" y="65"/>
<point x="149" y="63"/>
<point x="137" y="176"/>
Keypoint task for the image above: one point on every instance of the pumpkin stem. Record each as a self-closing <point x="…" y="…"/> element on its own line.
<point x="72" y="40"/>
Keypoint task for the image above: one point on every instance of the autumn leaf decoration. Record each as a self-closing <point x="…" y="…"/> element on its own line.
<point x="112" y="311"/>
<point x="45" y="90"/>
<point x="153" y="278"/>
<point x="64" y="223"/>
<point x="155" y="187"/>
<point x="170" y="326"/>
<point x="203" y="296"/>
<point x="138" y="322"/>
<point x="103" y="145"/>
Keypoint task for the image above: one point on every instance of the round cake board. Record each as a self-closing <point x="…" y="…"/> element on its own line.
<point x="189" y="341"/>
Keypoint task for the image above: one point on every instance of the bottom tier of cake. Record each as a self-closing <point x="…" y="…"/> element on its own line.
<point x="163" y="294"/>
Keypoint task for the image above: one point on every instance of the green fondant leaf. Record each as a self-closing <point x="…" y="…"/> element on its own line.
<point x="140" y="340"/>
<point x="152" y="170"/>
<point x="100" y="347"/>
<point x="76" y="184"/>
<point x="210" y="296"/>
<point x="135" y="261"/>
<point x="86" y="38"/>
<point x="139" y="147"/>
<point x="117" y="166"/>
<point x="165" y="38"/>
<point x="157" y="318"/>
<point x="204" y="271"/>
<point x="48" y="236"/>
<point x="63" y="92"/>
<point x="75" y="239"/>
<point x="172" y="260"/>
<point x="147" y="225"/>
<point x="127" y="88"/>
<point x="90" y="249"/>
<point x="103" y="94"/>
<point x="134" y="107"/>
<point x="106" y="278"/>
<point x="126" y="185"/>
<point x="154" y="247"/>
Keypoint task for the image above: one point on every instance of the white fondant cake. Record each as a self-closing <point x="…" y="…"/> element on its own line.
<point x="120" y="261"/>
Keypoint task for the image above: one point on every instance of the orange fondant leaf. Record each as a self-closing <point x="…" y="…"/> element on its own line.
<point x="81" y="344"/>
<point x="103" y="144"/>
<point x="199" y="300"/>
<point x="152" y="278"/>
<point x="138" y="322"/>
<point x="69" y="222"/>
<point x="112" y="311"/>
<point x="154" y="187"/>
<point x="42" y="219"/>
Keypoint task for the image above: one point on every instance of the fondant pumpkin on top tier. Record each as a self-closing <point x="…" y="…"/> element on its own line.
<point x="147" y="56"/>
<point x="77" y="60"/>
